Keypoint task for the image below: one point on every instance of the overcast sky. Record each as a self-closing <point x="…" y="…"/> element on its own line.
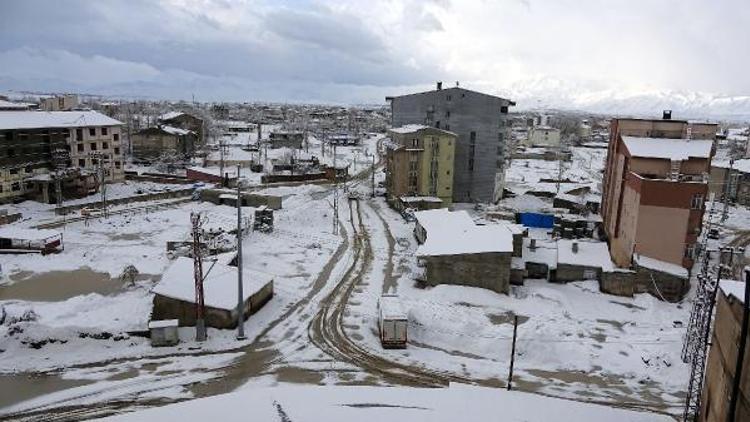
<point x="361" y="51"/>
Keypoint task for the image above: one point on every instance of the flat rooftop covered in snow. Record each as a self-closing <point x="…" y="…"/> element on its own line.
<point x="668" y="149"/>
<point x="590" y="254"/>
<point x="54" y="119"/>
<point x="454" y="233"/>
<point x="377" y="404"/>
<point x="219" y="285"/>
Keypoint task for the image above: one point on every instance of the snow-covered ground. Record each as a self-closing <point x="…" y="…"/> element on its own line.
<point x="366" y="404"/>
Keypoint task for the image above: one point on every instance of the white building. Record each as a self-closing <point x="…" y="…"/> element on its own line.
<point x="543" y="136"/>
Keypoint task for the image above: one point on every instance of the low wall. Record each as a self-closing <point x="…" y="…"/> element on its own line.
<point x="659" y="284"/>
<point x="180" y="193"/>
<point x="158" y="178"/>
<point x="569" y="272"/>
<point x="278" y="178"/>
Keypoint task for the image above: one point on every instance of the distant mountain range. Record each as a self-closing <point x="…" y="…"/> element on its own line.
<point x="554" y="94"/>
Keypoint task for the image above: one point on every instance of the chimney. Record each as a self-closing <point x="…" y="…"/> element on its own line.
<point x="574" y="247"/>
<point x="666" y="115"/>
<point x="532" y="244"/>
<point x="456" y="84"/>
<point x="439" y="85"/>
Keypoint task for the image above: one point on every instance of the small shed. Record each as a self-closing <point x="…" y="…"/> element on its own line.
<point x="174" y="296"/>
<point x="582" y="260"/>
<point x="263" y="220"/>
<point x="164" y="332"/>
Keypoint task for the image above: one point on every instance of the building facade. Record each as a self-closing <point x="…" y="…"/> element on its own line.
<point x="544" y="136"/>
<point x="483" y="128"/>
<point x="185" y="121"/>
<point x="155" y="142"/>
<point x="59" y="103"/>
<point x="37" y="147"/>
<point x="655" y="187"/>
<point x="419" y="162"/>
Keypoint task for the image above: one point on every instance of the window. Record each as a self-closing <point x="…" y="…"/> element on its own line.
<point x="504" y="109"/>
<point x="415" y="142"/>
<point x="471" y="164"/>
<point x="447" y="113"/>
<point x="437" y="124"/>
<point x="117" y="151"/>
<point x="82" y="162"/>
<point x="472" y="137"/>
<point x="1" y="188"/>
<point x="448" y="97"/>
<point x="104" y="131"/>
<point x="696" y="202"/>
<point x="13" y="171"/>
<point x="115" y="137"/>
<point x="93" y="146"/>
<point x="500" y="137"/>
<point x="80" y="147"/>
<point x="29" y="169"/>
<point x="117" y="164"/>
<point x="79" y="134"/>
<point x="105" y="145"/>
<point x="92" y="131"/>
<point x="11" y="152"/>
<point x="15" y="187"/>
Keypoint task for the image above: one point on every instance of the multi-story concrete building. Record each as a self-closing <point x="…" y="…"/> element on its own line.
<point x="71" y="143"/>
<point x="419" y="162"/>
<point x="543" y="136"/>
<point x="483" y="128"/>
<point x="655" y="186"/>
<point x="59" y="103"/>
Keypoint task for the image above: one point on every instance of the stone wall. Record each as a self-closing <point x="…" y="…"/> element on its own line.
<point x="662" y="285"/>
<point x="568" y="272"/>
<point x="486" y="270"/>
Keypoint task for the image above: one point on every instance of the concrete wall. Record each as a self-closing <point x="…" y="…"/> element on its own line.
<point x="567" y="272"/>
<point x="659" y="284"/>
<point x="248" y="199"/>
<point x="661" y="233"/>
<point x="462" y="112"/>
<point x="486" y="270"/>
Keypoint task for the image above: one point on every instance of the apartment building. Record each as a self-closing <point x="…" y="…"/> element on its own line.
<point x="543" y="136"/>
<point x="154" y="142"/>
<point x="654" y="189"/>
<point x="59" y="103"/>
<point x="36" y="144"/>
<point x="420" y="163"/>
<point x="483" y="128"/>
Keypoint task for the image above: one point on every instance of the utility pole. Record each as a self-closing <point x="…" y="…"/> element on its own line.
<point x="240" y="295"/>
<point x="727" y="186"/>
<point x="372" y="176"/>
<point x="200" y="326"/>
<point x="513" y="352"/>
<point x="335" y="194"/>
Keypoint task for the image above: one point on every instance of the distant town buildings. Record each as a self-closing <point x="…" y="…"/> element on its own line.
<point x="654" y="189"/>
<point x="59" y="103"/>
<point x="37" y="147"/>
<point x="483" y="128"/>
<point x="286" y="139"/>
<point x="419" y="163"/>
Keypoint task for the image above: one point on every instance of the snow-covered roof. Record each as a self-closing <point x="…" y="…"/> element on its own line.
<point x="544" y="253"/>
<point x="662" y="266"/>
<point x="8" y="105"/>
<point x="54" y="119"/>
<point x="669" y="149"/>
<point x="176" y="131"/>
<point x="742" y="166"/>
<point x="164" y="323"/>
<point x="375" y="403"/>
<point x="420" y="199"/>
<point x="433" y="220"/>
<point x="171" y="115"/>
<point x="390" y="307"/>
<point x="26" y="234"/>
<point x="454" y="233"/>
<point x="408" y="129"/>
<point x="219" y="285"/>
<point x="590" y="254"/>
<point x="733" y="288"/>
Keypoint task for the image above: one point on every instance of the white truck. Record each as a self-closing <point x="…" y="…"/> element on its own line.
<point x="392" y="322"/>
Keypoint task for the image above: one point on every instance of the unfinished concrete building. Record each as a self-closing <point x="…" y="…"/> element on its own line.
<point x="483" y="128"/>
<point x="160" y="141"/>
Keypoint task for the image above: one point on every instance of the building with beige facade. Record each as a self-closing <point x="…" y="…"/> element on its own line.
<point x="655" y="187"/>
<point x="37" y="147"/>
<point x="59" y="103"/>
<point x="419" y="163"/>
<point x="543" y="136"/>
